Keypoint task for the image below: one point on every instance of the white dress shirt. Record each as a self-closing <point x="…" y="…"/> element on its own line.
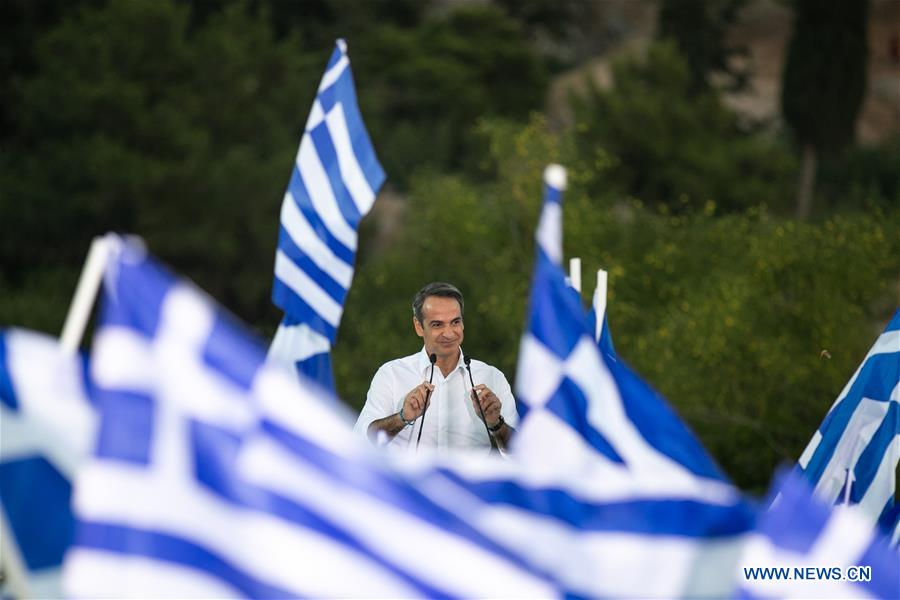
<point x="450" y="421"/>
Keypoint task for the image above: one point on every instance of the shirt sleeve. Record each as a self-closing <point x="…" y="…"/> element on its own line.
<point x="379" y="401"/>
<point x="507" y="400"/>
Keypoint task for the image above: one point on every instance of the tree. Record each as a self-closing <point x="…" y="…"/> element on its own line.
<point x="22" y="22"/>
<point x="673" y="148"/>
<point x="423" y="89"/>
<point x="699" y="29"/>
<point x="144" y="126"/>
<point x="824" y="82"/>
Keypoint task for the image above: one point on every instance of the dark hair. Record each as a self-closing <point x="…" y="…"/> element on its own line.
<point x="436" y="288"/>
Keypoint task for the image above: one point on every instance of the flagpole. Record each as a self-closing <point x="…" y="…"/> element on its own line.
<point x="77" y="318"/>
<point x="85" y="295"/>
<point x="851" y="476"/>
<point x="73" y="330"/>
<point x="600" y="302"/>
<point x="575" y="273"/>
<point x="11" y="564"/>
<point x="847" y="485"/>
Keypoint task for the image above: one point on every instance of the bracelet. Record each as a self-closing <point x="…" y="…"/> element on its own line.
<point x="497" y="427"/>
<point x="402" y="418"/>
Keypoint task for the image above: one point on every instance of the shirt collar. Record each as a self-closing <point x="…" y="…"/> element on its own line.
<point x="425" y="364"/>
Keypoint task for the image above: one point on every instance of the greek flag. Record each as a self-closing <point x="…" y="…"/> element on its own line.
<point x="215" y="475"/>
<point x="639" y="520"/>
<point x="333" y="185"/>
<point x="46" y="431"/>
<point x="852" y="457"/>
<point x="804" y="548"/>
<point x="575" y="401"/>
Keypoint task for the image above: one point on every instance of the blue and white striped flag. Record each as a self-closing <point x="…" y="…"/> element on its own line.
<point x="576" y="402"/>
<point x="858" y="443"/>
<point x="335" y="180"/>
<point x="804" y="548"/>
<point x="216" y="475"/>
<point x="581" y="423"/>
<point x="47" y="429"/>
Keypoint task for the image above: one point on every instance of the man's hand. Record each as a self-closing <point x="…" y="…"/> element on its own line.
<point x="490" y="404"/>
<point x="413" y="407"/>
<point x="414" y="402"/>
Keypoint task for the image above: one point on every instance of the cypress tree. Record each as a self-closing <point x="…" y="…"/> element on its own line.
<point x="824" y="82"/>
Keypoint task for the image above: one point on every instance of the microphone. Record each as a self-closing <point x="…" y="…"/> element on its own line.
<point x="433" y="358"/>
<point x="468" y="360"/>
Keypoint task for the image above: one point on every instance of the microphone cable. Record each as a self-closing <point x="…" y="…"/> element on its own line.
<point x="493" y="442"/>
<point x="433" y="358"/>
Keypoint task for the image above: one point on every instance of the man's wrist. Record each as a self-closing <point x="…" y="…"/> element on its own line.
<point x="402" y="418"/>
<point x="498" y="426"/>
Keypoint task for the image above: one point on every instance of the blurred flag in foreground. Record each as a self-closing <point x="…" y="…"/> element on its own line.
<point x="217" y="476"/>
<point x="679" y="528"/>
<point x="858" y="444"/>
<point x="335" y="179"/>
<point x="46" y="430"/>
<point x="804" y="548"/>
<point x="576" y="402"/>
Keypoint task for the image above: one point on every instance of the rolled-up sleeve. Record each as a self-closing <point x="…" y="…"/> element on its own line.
<point x="380" y="401"/>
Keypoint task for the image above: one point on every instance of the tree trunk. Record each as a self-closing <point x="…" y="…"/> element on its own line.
<point x="807" y="185"/>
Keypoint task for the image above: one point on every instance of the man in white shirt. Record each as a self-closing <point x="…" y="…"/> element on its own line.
<point x="397" y="396"/>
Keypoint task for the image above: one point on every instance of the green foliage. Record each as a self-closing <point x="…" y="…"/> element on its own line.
<point x="425" y="88"/>
<point x="699" y="29"/>
<point x="863" y="178"/>
<point x="824" y="78"/>
<point x="551" y="18"/>
<point x="672" y="148"/>
<point x="22" y="22"/>
<point x="319" y="22"/>
<point x="183" y="137"/>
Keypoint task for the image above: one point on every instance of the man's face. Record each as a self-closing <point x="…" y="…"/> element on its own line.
<point x="441" y="327"/>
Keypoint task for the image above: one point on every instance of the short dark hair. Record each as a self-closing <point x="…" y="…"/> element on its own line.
<point x="436" y="288"/>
